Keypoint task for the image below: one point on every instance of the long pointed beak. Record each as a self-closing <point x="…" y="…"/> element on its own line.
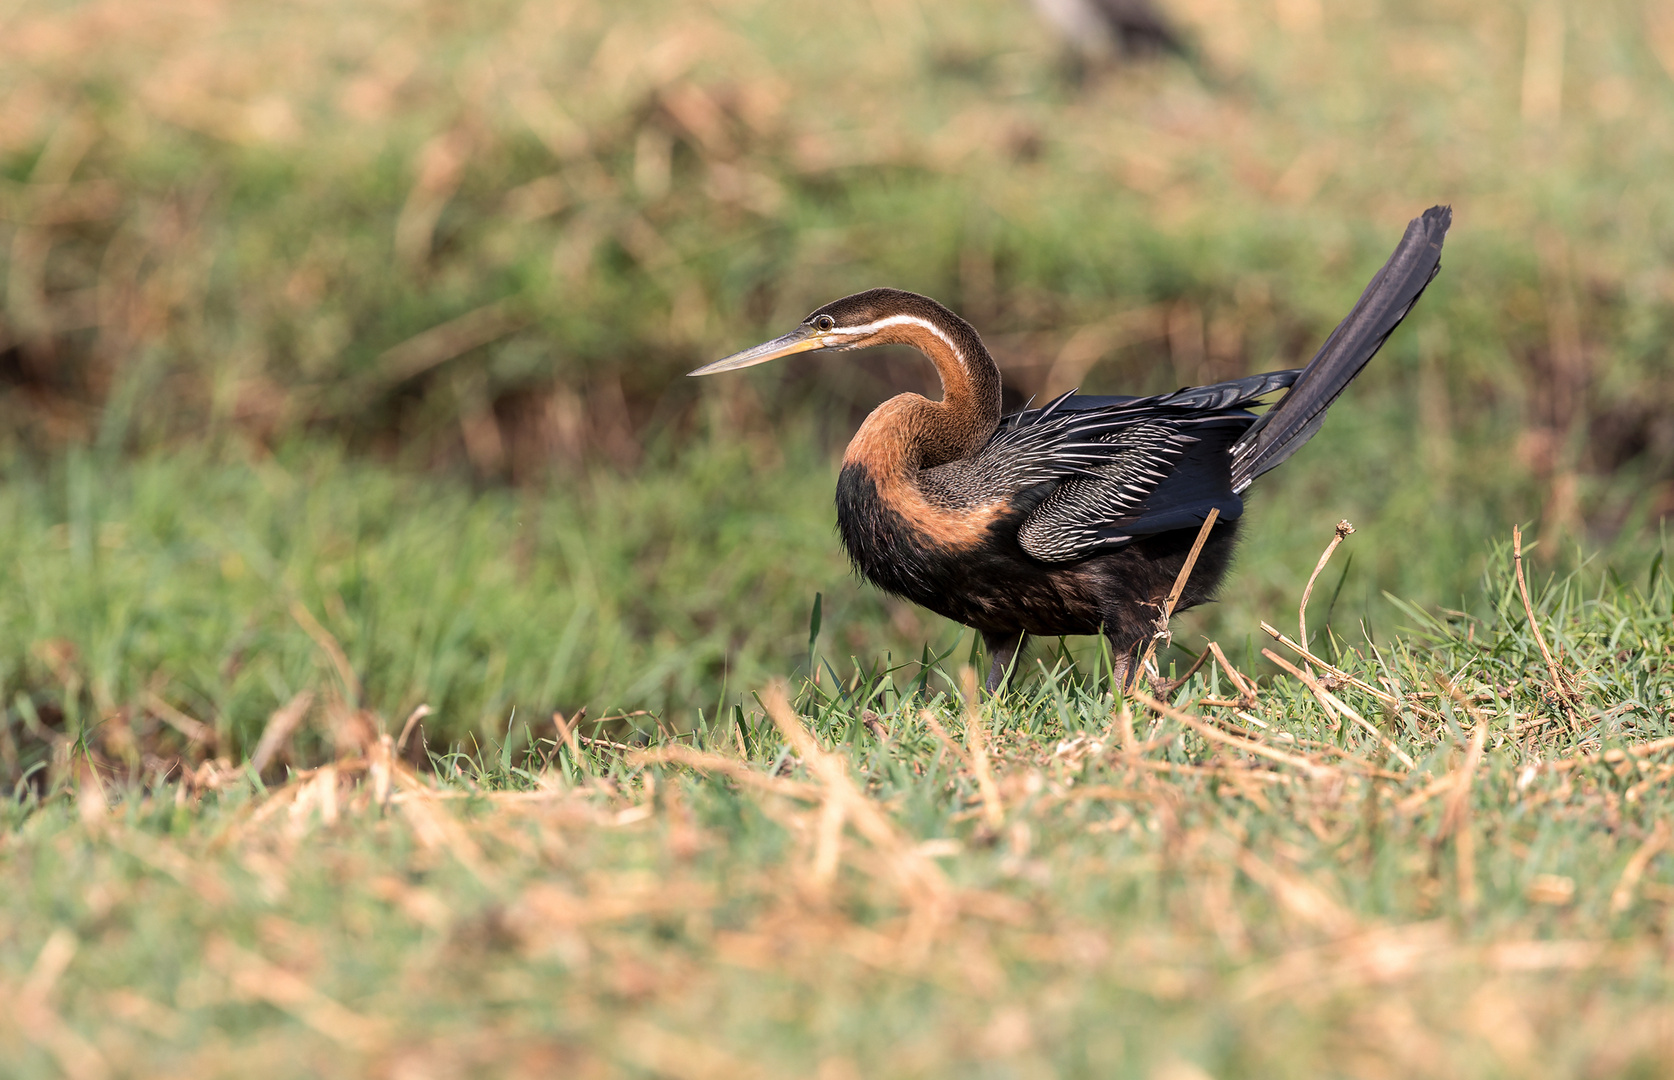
<point x="802" y="339"/>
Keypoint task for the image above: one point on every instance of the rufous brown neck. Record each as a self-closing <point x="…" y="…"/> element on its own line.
<point x="909" y="432"/>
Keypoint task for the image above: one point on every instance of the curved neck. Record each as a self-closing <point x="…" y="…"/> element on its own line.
<point x="912" y="433"/>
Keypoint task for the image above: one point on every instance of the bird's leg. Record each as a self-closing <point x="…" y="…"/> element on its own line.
<point x="1002" y="650"/>
<point x="1124" y="665"/>
<point x="1120" y="666"/>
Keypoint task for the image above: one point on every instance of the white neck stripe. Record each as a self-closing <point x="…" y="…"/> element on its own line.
<point x="903" y="320"/>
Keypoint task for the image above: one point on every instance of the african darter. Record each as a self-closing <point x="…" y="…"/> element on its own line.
<point x="1100" y="30"/>
<point x="1076" y="517"/>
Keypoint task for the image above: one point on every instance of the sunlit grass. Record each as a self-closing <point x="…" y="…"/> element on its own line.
<point x="490" y="245"/>
<point x="836" y="887"/>
<point x="340" y="375"/>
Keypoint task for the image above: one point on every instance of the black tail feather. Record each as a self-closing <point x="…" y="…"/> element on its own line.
<point x="1386" y="301"/>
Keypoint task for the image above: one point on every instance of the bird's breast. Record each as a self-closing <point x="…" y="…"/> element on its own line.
<point x="900" y="540"/>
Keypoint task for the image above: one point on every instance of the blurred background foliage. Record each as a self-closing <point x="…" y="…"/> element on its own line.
<point x="382" y="308"/>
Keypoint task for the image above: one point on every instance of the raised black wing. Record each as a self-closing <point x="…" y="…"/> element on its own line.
<point x="1091" y="473"/>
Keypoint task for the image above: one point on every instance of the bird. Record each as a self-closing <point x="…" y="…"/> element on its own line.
<point x="1100" y="30"/>
<point x="1074" y="517"/>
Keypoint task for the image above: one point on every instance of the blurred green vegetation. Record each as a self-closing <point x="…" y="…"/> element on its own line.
<point x="500" y="233"/>
<point x="389" y="305"/>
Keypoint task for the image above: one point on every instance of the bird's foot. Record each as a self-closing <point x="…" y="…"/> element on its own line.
<point x="1002" y="651"/>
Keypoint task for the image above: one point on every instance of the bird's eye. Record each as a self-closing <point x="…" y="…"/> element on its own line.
<point x="824" y="322"/>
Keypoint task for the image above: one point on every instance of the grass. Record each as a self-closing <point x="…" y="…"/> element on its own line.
<point x="497" y="239"/>
<point x="135" y="593"/>
<point x="340" y="357"/>
<point x="181" y="579"/>
<point x="431" y="260"/>
<point x="881" y="879"/>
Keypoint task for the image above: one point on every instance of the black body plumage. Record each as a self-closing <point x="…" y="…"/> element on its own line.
<point x="1075" y="517"/>
<point x="1000" y="590"/>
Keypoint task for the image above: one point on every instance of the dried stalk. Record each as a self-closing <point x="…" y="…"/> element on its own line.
<point x="566" y="731"/>
<point x="1213" y="734"/>
<point x="1180" y="580"/>
<point x="1330" y="669"/>
<point x="1457" y="818"/>
<point x="1621" y="897"/>
<point x="993" y="810"/>
<point x="413" y="718"/>
<point x="946" y="740"/>
<point x="1333" y="703"/>
<point x="1343" y="529"/>
<point x="1559" y="686"/>
<point x="1246" y="687"/>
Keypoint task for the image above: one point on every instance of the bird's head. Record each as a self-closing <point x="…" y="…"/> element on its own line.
<point x="873" y="317"/>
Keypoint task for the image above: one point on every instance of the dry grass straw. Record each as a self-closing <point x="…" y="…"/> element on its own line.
<point x="923" y="885"/>
<point x="1248" y="695"/>
<point x="732" y="768"/>
<point x="1342" y="531"/>
<point x="34" y="1016"/>
<point x="280" y="727"/>
<point x="253" y="978"/>
<point x="195" y="730"/>
<point x="1622" y="896"/>
<point x="960" y="753"/>
<point x="1335" y="672"/>
<point x="333" y="650"/>
<point x="566" y="732"/>
<point x="1303" y="943"/>
<point x="1232" y="866"/>
<point x="1335" y="705"/>
<point x="420" y="712"/>
<point x="1456" y="820"/>
<point x="1308" y="767"/>
<point x="1560" y="685"/>
<point x="1122" y="720"/>
<point x="993" y="809"/>
<point x="1165" y="612"/>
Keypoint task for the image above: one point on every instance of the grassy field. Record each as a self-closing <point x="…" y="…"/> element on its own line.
<point x="1450" y="864"/>
<point x="187" y="585"/>
<point x="463" y="261"/>
<point x="390" y="635"/>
